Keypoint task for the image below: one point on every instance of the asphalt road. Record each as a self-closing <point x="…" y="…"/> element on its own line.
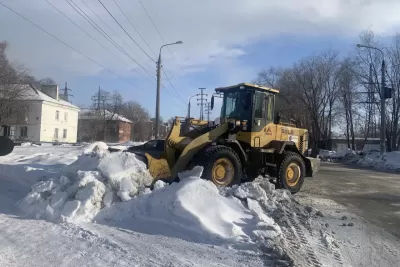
<point x="374" y="195"/>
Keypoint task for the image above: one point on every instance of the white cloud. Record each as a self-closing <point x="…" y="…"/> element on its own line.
<point x="213" y="32"/>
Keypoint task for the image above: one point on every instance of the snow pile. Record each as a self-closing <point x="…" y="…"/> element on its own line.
<point x="196" y="210"/>
<point x="387" y="161"/>
<point x="327" y="153"/>
<point x="96" y="179"/>
<point x="96" y="146"/>
<point x="124" y="145"/>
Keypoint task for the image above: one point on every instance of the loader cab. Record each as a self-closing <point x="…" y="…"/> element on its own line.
<point x="246" y="107"/>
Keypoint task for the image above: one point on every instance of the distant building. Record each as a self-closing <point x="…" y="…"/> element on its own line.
<point x="142" y="131"/>
<point x="103" y="126"/>
<point x="45" y="118"/>
<point x="340" y="144"/>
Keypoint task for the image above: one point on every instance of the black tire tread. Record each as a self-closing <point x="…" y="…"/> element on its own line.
<point x="288" y="155"/>
<point x="203" y="160"/>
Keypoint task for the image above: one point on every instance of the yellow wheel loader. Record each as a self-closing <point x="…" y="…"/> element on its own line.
<point x="248" y="141"/>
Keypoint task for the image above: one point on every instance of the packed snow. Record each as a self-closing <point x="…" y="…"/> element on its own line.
<point x="83" y="185"/>
<point x="387" y="161"/>
<point x="86" y="206"/>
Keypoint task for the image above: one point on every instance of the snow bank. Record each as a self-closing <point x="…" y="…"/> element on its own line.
<point x="94" y="180"/>
<point x="387" y="161"/>
<point x="96" y="146"/>
<point x="125" y="145"/>
<point x="196" y="210"/>
<point x="113" y="189"/>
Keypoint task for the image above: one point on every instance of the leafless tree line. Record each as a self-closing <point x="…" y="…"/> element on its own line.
<point x="12" y="74"/>
<point x="329" y="92"/>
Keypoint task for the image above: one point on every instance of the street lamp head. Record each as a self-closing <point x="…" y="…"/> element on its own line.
<point x="179" y="42"/>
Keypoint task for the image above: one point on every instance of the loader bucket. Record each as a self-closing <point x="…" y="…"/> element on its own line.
<point x="315" y="165"/>
<point x="158" y="168"/>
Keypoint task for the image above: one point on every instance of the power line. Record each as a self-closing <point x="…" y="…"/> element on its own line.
<point x="62" y="13"/>
<point x="125" y="30"/>
<point x="172" y="86"/>
<point x="110" y="29"/>
<point x="104" y="34"/>
<point x="58" y="39"/>
<point x="208" y="110"/>
<point x="133" y="26"/>
<point x="155" y="27"/>
<point x="202" y="102"/>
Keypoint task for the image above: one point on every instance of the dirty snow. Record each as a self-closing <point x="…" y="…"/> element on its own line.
<point x="387" y="161"/>
<point x="64" y="206"/>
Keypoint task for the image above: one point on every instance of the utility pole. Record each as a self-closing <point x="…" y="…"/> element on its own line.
<point x="66" y="94"/>
<point x="208" y="110"/>
<point x="189" y="105"/>
<point x="157" y="126"/>
<point x="202" y="102"/>
<point x="383" y="97"/>
<point x="158" y="88"/>
<point x="98" y="100"/>
<point x="383" y="115"/>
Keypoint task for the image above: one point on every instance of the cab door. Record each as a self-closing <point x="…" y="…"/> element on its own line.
<point x="263" y="128"/>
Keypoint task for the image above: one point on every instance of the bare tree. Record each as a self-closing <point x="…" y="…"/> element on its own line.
<point x="369" y="74"/>
<point x="11" y="93"/>
<point x="133" y="111"/>
<point x="105" y="108"/>
<point x="312" y="84"/>
<point x="47" y="81"/>
<point x="347" y="93"/>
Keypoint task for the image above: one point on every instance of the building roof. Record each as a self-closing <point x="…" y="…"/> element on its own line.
<point x="88" y="114"/>
<point x="31" y="93"/>
<point x="253" y="86"/>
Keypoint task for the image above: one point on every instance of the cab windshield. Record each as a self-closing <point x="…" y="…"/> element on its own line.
<point x="234" y="105"/>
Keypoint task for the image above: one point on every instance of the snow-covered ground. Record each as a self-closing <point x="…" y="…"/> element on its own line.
<point x="84" y="206"/>
<point x="356" y="240"/>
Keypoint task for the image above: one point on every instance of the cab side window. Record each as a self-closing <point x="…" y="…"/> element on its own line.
<point x="269" y="107"/>
<point x="259" y="106"/>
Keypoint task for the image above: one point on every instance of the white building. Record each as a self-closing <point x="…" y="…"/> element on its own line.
<point x="46" y="118"/>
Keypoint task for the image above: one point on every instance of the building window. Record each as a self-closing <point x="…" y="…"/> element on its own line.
<point x="65" y="116"/>
<point x="24" y="131"/>
<point x="57" y="115"/>
<point x="65" y="133"/>
<point x="56" y="133"/>
<point x="12" y="131"/>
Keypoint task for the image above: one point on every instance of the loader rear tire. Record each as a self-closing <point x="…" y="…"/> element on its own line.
<point x="221" y="165"/>
<point x="291" y="172"/>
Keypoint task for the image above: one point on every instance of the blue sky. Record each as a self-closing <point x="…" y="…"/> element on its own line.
<point x="224" y="42"/>
<point x="280" y="51"/>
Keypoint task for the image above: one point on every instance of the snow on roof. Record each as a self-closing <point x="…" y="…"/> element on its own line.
<point x="29" y="92"/>
<point x="87" y="114"/>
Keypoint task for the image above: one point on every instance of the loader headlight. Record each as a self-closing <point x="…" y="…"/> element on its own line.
<point x="237" y="123"/>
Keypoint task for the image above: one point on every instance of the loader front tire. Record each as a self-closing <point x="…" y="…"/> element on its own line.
<point x="291" y="172"/>
<point x="221" y="165"/>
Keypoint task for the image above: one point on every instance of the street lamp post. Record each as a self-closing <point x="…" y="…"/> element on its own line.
<point x="190" y="105"/>
<point x="158" y="88"/>
<point x="383" y="111"/>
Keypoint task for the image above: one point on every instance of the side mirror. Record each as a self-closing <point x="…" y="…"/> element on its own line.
<point x="277" y="118"/>
<point x="212" y="102"/>
<point x="247" y="101"/>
